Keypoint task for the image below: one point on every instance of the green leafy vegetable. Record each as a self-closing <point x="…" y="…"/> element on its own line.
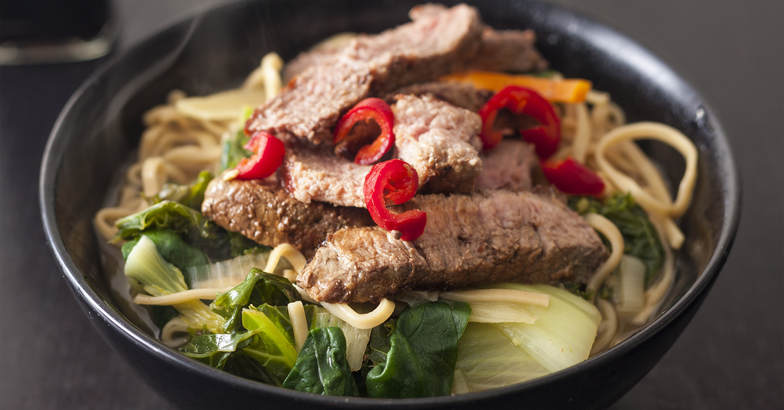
<point x="191" y="195"/>
<point x="321" y="367"/>
<point x="257" y="289"/>
<point x="158" y="277"/>
<point x="215" y="349"/>
<point x="146" y="265"/>
<point x="242" y="365"/>
<point x="161" y="315"/>
<point x="581" y="290"/>
<point x="272" y="344"/>
<point x="234" y="151"/>
<point x="423" y="352"/>
<point x="172" y="248"/>
<point x="379" y="344"/>
<point x="198" y="231"/>
<point x="639" y="234"/>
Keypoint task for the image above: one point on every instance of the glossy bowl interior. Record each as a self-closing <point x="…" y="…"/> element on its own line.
<point x="101" y="125"/>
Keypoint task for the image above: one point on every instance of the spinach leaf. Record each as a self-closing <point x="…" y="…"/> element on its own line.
<point x="172" y="248"/>
<point x="421" y="359"/>
<point x="198" y="231"/>
<point x="234" y="151"/>
<point x="272" y="344"/>
<point x="321" y="366"/>
<point x="639" y="234"/>
<point x="380" y="343"/>
<point x="191" y="195"/>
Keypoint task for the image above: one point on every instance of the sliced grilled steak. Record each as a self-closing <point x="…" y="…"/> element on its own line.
<point x="508" y="165"/>
<point x="508" y="50"/>
<point x="317" y="174"/>
<point x="501" y="50"/>
<point x="305" y="60"/>
<point x="371" y="65"/>
<point x="486" y="237"/>
<point x="319" y="54"/>
<point x="263" y="211"/>
<point x="440" y="141"/>
<point x="458" y="94"/>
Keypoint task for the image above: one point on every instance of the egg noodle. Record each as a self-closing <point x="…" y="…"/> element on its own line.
<point x="184" y="137"/>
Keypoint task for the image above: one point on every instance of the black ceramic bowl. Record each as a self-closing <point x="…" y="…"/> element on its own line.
<point x="101" y="125"/>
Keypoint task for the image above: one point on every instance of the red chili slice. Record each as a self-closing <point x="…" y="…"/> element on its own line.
<point x="521" y="100"/>
<point x="397" y="182"/>
<point x="367" y="109"/>
<point x="267" y="157"/>
<point x="572" y="177"/>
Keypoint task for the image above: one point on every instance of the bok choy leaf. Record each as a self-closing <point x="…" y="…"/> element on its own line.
<point x="257" y="289"/>
<point x="158" y="277"/>
<point x="486" y="359"/>
<point x="198" y="231"/>
<point x="272" y="344"/>
<point x="172" y="248"/>
<point x="214" y="349"/>
<point x="564" y="332"/>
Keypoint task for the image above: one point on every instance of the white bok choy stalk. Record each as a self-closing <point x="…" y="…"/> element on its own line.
<point x="631" y="286"/>
<point x="158" y="277"/>
<point x="228" y="273"/>
<point x="563" y="333"/>
<point x="486" y="359"/>
<point x="500" y="305"/>
<point x="356" y="339"/>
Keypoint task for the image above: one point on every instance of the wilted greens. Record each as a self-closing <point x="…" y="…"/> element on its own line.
<point x="423" y="352"/>
<point x="322" y="367"/>
<point x="158" y="278"/>
<point x="234" y="151"/>
<point x="196" y="230"/>
<point x="638" y="232"/>
<point x="191" y="195"/>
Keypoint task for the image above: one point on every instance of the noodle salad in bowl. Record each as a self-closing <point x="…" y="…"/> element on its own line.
<point x="427" y="211"/>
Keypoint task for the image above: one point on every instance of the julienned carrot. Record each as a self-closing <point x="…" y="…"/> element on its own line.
<point x="567" y="90"/>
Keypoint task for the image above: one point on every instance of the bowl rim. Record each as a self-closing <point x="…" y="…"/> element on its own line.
<point x="53" y="159"/>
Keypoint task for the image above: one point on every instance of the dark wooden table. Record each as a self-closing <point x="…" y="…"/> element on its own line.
<point x="731" y="355"/>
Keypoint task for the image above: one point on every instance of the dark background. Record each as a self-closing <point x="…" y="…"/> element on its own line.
<point x="731" y="356"/>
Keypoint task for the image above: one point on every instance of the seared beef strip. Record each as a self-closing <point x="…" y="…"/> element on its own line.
<point x="440" y="141"/>
<point x="436" y="138"/>
<point x="486" y="237"/>
<point x="263" y="211"/>
<point x="501" y="50"/>
<point x="508" y="165"/>
<point x="316" y="174"/>
<point x="423" y="50"/>
<point x="458" y="94"/>
<point x="508" y="50"/>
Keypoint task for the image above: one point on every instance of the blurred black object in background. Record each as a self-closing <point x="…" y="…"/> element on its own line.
<point x="53" y="31"/>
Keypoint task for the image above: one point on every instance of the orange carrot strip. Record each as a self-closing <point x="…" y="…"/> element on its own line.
<point x="568" y="90"/>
